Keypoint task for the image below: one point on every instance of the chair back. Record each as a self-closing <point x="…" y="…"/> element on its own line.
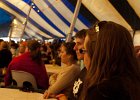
<point x="21" y="76"/>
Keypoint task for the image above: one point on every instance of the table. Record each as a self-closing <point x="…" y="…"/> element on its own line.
<point x="16" y="94"/>
<point x="52" y="68"/>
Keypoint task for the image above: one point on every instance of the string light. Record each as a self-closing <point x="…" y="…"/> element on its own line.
<point x="38" y="10"/>
<point x="33" y="6"/>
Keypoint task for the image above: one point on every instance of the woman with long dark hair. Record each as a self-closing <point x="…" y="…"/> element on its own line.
<point x="114" y="73"/>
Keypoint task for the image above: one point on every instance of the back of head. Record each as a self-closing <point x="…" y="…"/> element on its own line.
<point x="34" y="48"/>
<point x="114" y="50"/>
<point x="113" y="56"/>
<point x="33" y="45"/>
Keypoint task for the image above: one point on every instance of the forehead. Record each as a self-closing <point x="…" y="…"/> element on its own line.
<point x="79" y="40"/>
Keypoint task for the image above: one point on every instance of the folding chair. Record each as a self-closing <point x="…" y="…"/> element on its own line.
<point x="21" y="77"/>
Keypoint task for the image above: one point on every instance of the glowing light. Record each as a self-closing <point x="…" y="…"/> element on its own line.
<point x="33" y="6"/>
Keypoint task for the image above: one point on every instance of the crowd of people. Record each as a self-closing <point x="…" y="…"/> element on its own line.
<point x="111" y="65"/>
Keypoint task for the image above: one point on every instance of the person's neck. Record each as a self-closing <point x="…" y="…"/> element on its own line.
<point x="70" y="62"/>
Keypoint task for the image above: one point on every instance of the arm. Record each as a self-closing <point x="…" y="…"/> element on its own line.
<point x="64" y="79"/>
<point x="52" y="79"/>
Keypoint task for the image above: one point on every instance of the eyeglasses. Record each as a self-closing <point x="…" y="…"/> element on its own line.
<point x="82" y="51"/>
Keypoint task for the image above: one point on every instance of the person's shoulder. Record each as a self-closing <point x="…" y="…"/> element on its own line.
<point x="110" y="88"/>
<point x="83" y="72"/>
<point x="20" y="57"/>
<point x="75" y="66"/>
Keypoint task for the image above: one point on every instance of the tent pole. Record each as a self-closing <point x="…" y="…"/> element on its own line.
<point x="10" y="33"/>
<point x="69" y="35"/>
<point x="27" y="18"/>
<point x="11" y="29"/>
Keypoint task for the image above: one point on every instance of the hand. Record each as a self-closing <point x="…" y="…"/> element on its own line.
<point x="48" y="95"/>
<point x="61" y="97"/>
<point x="54" y="76"/>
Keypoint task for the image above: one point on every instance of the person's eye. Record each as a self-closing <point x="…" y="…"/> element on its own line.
<point x="82" y="51"/>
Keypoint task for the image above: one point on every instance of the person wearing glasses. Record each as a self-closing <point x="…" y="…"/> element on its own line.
<point x="79" y="45"/>
<point x="113" y="73"/>
<point x="87" y="51"/>
<point x="79" y="40"/>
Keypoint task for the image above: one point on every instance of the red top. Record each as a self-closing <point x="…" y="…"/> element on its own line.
<point x="25" y="63"/>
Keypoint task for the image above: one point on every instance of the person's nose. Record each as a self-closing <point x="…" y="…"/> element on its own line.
<point x="60" y="54"/>
<point x="75" y="47"/>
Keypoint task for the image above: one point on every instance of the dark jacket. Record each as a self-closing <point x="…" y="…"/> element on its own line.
<point x="78" y="85"/>
<point x="112" y="89"/>
<point x="5" y="58"/>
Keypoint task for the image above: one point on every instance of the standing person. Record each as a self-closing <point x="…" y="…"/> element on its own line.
<point x="30" y="62"/>
<point x="114" y="73"/>
<point x="60" y="83"/>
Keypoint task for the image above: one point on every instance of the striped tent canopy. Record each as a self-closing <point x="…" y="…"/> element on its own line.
<point x="52" y="18"/>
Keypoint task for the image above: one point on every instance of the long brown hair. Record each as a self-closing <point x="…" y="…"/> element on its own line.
<point x="113" y="56"/>
<point x="90" y="45"/>
<point x="34" y="47"/>
<point x="69" y="49"/>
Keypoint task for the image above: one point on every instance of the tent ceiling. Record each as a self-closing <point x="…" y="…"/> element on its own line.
<point x="52" y="18"/>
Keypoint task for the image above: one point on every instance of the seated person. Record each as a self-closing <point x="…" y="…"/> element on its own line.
<point x="22" y="48"/>
<point x="137" y="51"/>
<point x="30" y="62"/>
<point x="5" y="58"/>
<point x="60" y="83"/>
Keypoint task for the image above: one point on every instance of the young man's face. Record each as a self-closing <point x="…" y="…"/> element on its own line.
<point x="79" y="45"/>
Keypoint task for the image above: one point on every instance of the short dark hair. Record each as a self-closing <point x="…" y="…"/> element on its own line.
<point x="33" y="45"/>
<point x="81" y="33"/>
